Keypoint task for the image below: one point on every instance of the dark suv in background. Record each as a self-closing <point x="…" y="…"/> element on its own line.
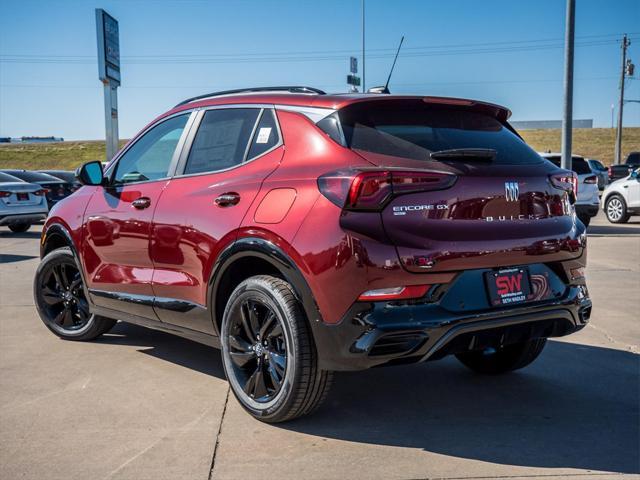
<point x="304" y="233"/>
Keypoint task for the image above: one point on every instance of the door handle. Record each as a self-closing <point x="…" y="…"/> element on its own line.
<point x="141" y="203"/>
<point x="227" y="199"/>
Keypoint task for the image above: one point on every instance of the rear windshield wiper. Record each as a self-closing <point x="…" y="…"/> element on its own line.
<point x="486" y="154"/>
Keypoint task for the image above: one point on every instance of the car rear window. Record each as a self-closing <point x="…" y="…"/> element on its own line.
<point x="578" y="164"/>
<point x="29" y="176"/>
<point x="414" y="129"/>
<point x="5" y="177"/>
<point x="68" y="177"/>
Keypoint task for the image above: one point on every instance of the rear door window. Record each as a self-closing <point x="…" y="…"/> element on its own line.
<point x="222" y="139"/>
<point x="414" y="129"/>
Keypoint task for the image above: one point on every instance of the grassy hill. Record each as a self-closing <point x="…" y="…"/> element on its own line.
<point x="590" y="142"/>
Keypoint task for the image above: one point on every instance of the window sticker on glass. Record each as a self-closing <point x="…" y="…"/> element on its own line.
<point x="263" y="135"/>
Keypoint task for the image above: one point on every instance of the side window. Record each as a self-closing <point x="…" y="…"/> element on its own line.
<point x="221" y="140"/>
<point x="266" y="135"/>
<point x="150" y="157"/>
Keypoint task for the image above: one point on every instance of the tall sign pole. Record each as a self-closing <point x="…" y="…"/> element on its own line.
<point x="109" y="74"/>
<point x="567" y="117"/>
<point x="617" y="159"/>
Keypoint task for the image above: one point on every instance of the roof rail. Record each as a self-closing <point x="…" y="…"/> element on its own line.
<point x="290" y="89"/>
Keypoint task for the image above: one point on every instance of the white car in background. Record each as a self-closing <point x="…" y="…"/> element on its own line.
<point x="21" y="204"/>
<point x="588" y="201"/>
<point x="621" y="199"/>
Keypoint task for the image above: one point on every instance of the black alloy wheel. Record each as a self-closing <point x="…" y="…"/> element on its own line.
<point x="61" y="301"/>
<point x="268" y="352"/>
<point x="63" y="296"/>
<point x="258" y="350"/>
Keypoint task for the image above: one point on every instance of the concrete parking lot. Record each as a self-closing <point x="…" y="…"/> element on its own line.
<point x="139" y="404"/>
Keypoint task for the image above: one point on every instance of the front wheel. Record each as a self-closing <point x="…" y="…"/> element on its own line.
<point x="504" y="359"/>
<point x="268" y="352"/>
<point x="61" y="301"/>
<point x="19" y="227"/>
<point x="616" y="209"/>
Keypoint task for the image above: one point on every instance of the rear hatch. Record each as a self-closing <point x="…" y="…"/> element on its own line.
<point x="499" y="204"/>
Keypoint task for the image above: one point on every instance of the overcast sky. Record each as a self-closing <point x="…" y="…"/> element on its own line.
<point x="503" y="51"/>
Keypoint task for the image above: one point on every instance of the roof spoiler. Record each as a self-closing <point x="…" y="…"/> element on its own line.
<point x="496" y="111"/>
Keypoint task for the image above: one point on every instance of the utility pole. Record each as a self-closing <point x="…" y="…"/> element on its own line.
<point x="618" y="153"/>
<point x="567" y="117"/>
<point x="364" y="88"/>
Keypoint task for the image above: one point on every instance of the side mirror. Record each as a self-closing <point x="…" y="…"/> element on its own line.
<point x="90" y="173"/>
<point x="636" y="174"/>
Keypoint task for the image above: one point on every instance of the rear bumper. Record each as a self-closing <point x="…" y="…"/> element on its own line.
<point x="22" y="217"/>
<point x="384" y="333"/>
<point x="588" y="210"/>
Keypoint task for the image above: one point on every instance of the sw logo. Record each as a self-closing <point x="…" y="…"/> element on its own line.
<point x="509" y="284"/>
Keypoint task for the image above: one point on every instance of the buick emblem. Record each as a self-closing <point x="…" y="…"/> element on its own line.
<point x="511" y="191"/>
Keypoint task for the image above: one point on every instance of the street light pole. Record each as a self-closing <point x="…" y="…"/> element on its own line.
<point x="567" y="117"/>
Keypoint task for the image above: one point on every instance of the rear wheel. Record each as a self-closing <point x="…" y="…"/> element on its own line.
<point x="61" y="301"/>
<point x="504" y="359"/>
<point x="586" y="219"/>
<point x="19" y="227"/>
<point x="268" y="352"/>
<point x="616" y="209"/>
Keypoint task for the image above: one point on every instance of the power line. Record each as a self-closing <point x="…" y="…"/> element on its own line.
<point x="422" y="84"/>
<point x="320" y="52"/>
<point x="433" y="50"/>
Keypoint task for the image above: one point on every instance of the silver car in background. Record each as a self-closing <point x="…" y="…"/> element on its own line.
<point x="600" y="171"/>
<point x="21" y="204"/>
<point x="588" y="201"/>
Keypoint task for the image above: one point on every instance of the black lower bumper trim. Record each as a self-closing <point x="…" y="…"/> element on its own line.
<point x="379" y="334"/>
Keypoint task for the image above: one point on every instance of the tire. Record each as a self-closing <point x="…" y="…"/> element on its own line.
<point x="586" y="219"/>
<point x="505" y="359"/>
<point x="615" y="209"/>
<point x="268" y="352"/>
<point x="61" y="299"/>
<point x="19" y="227"/>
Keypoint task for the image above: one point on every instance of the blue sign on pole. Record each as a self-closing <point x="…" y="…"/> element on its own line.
<point x="108" y="47"/>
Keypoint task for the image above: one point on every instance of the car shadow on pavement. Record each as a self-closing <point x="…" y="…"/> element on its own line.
<point x="9" y="258"/>
<point x="170" y="348"/>
<point x="9" y="234"/>
<point x="576" y="407"/>
<point x="631" y="228"/>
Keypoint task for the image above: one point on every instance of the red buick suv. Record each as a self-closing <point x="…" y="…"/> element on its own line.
<point x="305" y="233"/>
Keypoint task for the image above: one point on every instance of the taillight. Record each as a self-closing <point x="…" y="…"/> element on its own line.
<point x="566" y="181"/>
<point x="591" y="180"/>
<point x="372" y="190"/>
<point x="610" y="172"/>
<point x="394" y="293"/>
<point x="41" y="192"/>
<point x="577" y="273"/>
<point x="5" y="194"/>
